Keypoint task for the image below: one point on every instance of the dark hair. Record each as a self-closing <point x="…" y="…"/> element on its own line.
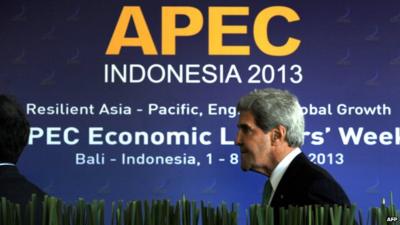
<point x="14" y="129"/>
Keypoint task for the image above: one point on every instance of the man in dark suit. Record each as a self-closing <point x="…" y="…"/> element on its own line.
<point x="271" y="131"/>
<point x="14" y="133"/>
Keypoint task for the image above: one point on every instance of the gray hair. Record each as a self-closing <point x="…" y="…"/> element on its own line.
<point x="272" y="107"/>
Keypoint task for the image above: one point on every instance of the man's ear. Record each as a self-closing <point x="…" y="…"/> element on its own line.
<point x="278" y="134"/>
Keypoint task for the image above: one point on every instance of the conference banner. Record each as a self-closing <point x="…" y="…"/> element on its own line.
<point x="135" y="100"/>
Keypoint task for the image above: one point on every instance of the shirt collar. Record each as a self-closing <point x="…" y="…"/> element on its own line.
<point x="281" y="168"/>
<point x="7" y="164"/>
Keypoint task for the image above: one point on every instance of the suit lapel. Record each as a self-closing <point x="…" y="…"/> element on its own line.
<point x="283" y="193"/>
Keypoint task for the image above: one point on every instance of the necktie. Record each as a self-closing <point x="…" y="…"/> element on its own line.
<point x="267" y="193"/>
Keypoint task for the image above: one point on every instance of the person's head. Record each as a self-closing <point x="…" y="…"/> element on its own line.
<point x="14" y="130"/>
<point x="271" y="124"/>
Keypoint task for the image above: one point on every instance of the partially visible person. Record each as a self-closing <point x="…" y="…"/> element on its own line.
<point x="14" y="133"/>
<point x="271" y="132"/>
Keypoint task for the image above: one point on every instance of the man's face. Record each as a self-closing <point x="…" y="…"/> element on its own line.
<point x="255" y="145"/>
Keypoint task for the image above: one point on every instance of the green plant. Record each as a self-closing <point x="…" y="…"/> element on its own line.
<point x="10" y="213"/>
<point x="303" y="215"/>
<point x="385" y="214"/>
<point x="53" y="211"/>
<point x="220" y="215"/>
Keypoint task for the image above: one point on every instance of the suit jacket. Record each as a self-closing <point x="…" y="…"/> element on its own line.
<point x="16" y="187"/>
<point x="305" y="183"/>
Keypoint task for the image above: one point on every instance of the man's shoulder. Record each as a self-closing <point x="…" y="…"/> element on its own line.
<point x="16" y="187"/>
<point x="308" y="177"/>
<point x="303" y="167"/>
<point x="320" y="185"/>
